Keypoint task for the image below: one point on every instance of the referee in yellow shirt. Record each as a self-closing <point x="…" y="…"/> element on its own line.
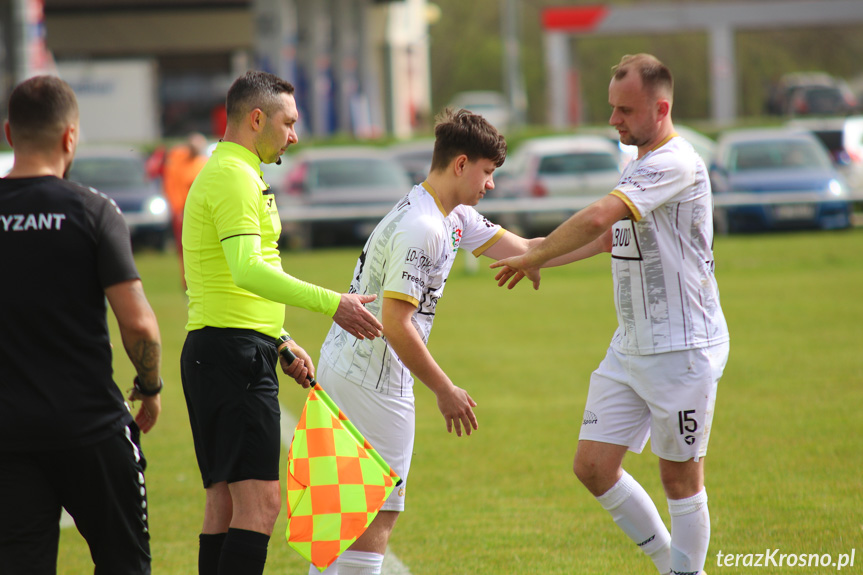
<point x="237" y="295"/>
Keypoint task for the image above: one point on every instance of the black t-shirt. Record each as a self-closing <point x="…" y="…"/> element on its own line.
<point x="61" y="245"/>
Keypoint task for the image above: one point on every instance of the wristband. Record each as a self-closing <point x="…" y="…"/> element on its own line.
<point x="282" y="339"/>
<point x="147" y="392"/>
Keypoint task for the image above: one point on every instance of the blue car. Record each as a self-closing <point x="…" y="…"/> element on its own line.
<point x="766" y="179"/>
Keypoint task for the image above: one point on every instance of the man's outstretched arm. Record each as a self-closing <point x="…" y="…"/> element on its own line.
<point x="250" y="272"/>
<point x="581" y="234"/>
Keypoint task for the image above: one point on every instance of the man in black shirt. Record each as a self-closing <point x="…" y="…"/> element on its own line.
<point x="67" y="438"/>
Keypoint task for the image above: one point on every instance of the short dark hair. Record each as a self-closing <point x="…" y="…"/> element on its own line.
<point x="462" y="132"/>
<point x="40" y="109"/>
<point x="655" y="75"/>
<point x="255" y="89"/>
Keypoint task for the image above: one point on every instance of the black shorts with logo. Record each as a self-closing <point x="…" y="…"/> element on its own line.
<point x="231" y="388"/>
<point x="101" y="486"/>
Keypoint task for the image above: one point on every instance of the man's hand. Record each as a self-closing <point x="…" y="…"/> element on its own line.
<point x="355" y="319"/>
<point x="151" y="407"/>
<point x="301" y="369"/>
<point x="457" y="408"/>
<point x="514" y="269"/>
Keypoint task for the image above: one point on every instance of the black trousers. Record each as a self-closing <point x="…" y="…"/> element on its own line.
<point x="101" y="486"/>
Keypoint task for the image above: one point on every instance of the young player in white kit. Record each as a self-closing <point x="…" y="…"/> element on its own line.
<point x="405" y="262"/>
<point x="659" y="377"/>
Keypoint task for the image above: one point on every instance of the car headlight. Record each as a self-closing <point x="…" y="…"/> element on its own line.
<point x="836" y="189"/>
<point x="157" y="206"/>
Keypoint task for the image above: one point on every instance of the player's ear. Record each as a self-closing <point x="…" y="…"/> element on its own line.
<point x="663" y="108"/>
<point x="8" y="131"/>
<point x="459" y="164"/>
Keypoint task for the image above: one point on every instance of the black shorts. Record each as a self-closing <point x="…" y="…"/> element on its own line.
<point x="101" y="486"/>
<point x="232" y="393"/>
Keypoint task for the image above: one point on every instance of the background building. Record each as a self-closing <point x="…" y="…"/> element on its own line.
<point x="161" y="68"/>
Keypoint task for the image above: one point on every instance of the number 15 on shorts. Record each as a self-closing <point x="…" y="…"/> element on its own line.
<point x="687" y="425"/>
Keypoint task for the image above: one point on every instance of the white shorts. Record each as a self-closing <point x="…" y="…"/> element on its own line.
<point x="667" y="398"/>
<point x="387" y="422"/>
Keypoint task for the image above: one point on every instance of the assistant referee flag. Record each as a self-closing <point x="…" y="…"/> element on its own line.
<point x="337" y="482"/>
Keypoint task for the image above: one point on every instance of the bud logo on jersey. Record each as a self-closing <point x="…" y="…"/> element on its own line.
<point x="418" y="259"/>
<point x="624" y="241"/>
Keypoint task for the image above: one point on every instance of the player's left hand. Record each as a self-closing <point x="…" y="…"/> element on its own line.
<point x="301" y="369"/>
<point x="456" y="406"/>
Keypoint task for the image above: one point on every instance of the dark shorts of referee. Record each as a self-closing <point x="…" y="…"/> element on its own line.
<point x="232" y="394"/>
<point x="101" y="486"/>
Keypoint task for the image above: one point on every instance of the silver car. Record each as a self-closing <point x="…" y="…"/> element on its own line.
<point x="342" y="193"/>
<point x="584" y="166"/>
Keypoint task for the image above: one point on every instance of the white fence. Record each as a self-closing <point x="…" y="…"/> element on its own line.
<point x="497" y="206"/>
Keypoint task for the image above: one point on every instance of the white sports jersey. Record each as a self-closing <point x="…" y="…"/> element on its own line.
<point x="408" y="256"/>
<point x="662" y="259"/>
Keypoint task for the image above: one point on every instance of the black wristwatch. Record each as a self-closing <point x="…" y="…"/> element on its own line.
<point x="282" y="339"/>
<point x="148" y="392"/>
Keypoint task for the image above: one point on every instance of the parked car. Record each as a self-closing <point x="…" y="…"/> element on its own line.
<point x="492" y="106"/>
<point x="843" y="138"/>
<point x="557" y="166"/>
<point x="821" y="101"/>
<point x="415" y="157"/>
<point x="366" y="180"/>
<point x="758" y="163"/>
<point x="120" y="174"/>
<point x="811" y="93"/>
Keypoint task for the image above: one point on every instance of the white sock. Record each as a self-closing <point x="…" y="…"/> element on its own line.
<point x="360" y="563"/>
<point x="634" y="512"/>
<point x="690" y="533"/>
<point x="331" y="570"/>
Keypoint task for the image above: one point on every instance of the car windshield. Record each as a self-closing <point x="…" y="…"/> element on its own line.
<point x="822" y="100"/>
<point x="577" y="163"/>
<point x="773" y="154"/>
<point x="108" y="172"/>
<point x="353" y="172"/>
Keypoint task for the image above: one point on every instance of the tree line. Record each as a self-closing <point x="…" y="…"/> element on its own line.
<point x="467" y="54"/>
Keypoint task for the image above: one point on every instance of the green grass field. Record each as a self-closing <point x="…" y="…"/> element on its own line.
<point x="783" y="471"/>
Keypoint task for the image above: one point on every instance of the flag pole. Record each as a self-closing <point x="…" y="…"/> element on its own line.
<point x="346" y="423"/>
